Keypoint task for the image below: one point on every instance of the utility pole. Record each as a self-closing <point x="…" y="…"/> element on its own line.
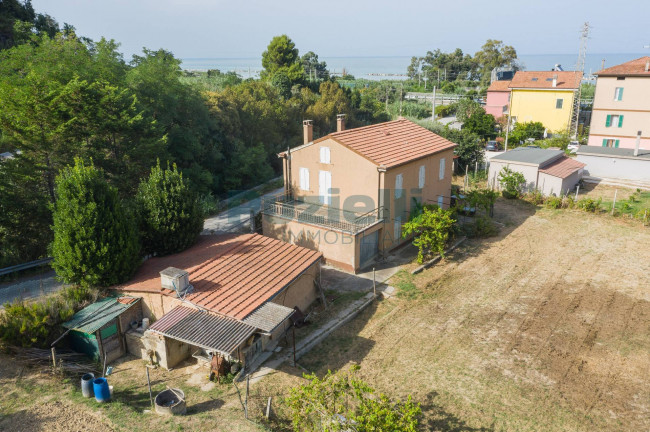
<point x="433" y="110"/>
<point x="401" y="90"/>
<point x="579" y="70"/>
<point x="386" y="99"/>
<point x="507" y="132"/>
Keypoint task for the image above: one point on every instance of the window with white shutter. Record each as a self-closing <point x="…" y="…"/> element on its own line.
<point x="304" y="179"/>
<point x="421" y="176"/>
<point x="397" y="229"/>
<point x="442" y="169"/>
<point x="325" y="155"/>
<point x="399" y="181"/>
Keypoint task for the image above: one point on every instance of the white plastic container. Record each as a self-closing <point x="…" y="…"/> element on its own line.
<point x="145" y="323"/>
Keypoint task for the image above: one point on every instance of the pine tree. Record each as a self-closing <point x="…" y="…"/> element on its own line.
<point x="95" y="237"/>
<point x="170" y="217"/>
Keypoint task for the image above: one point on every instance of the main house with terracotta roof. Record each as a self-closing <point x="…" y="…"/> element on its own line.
<point x="347" y="194"/>
<point x="230" y="295"/>
<point x="622" y="106"/>
<point x="544" y="96"/>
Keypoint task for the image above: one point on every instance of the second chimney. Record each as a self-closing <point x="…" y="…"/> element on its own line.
<point x="555" y="80"/>
<point x="308" y="131"/>
<point x="647" y="65"/>
<point x="340" y="122"/>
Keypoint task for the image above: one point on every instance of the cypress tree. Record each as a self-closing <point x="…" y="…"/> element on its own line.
<point x="170" y="217"/>
<point x="95" y="237"/>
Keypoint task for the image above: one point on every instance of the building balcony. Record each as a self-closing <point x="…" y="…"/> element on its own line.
<point x="286" y="207"/>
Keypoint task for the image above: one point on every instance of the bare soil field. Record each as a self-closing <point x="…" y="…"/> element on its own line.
<point x="545" y="327"/>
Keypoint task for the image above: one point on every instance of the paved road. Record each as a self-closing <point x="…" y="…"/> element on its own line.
<point x="237" y="216"/>
<point x="29" y="288"/>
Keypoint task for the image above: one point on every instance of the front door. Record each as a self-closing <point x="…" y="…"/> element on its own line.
<point x="324" y="186"/>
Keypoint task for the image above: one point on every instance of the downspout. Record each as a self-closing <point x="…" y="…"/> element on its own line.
<point x="288" y="190"/>
<point x="380" y="169"/>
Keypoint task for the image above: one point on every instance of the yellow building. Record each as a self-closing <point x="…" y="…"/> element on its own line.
<point x="545" y="97"/>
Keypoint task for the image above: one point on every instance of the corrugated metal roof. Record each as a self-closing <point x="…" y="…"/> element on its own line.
<point x="231" y="275"/>
<point x="562" y="167"/>
<point x="95" y="316"/>
<point x="268" y="316"/>
<point x="203" y="329"/>
<point x="392" y="143"/>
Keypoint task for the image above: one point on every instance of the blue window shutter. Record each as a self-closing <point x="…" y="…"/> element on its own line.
<point x="604" y="142"/>
<point x="608" y="121"/>
<point x="616" y="143"/>
<point x="620" y="121"/>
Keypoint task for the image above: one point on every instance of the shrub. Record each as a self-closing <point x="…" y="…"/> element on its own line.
<point x="446" y="110"/>
<point x="432" y="229"/>
<point x="554" y="202"/>
<point x="535" y="197"/>
<point x="95" y="238"/>
<point x="589" y="204"/>
<point x="512" y="182"/>
<point x="170" y="217"/>
<point x="481" y="227"/>
<point x="342" y="402"/>
<point x="37" y="323"/>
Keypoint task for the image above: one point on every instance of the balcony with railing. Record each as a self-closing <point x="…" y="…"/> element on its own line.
<point x="286" y="207"/>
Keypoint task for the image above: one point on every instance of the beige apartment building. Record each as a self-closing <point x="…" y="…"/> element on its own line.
<point x="621" y="111"/>
<point x="348" y="194"/>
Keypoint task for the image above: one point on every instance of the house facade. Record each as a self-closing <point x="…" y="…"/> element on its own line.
<point x="545" y="96"/>
<point x="347" y="194"/>
<point x="498" y="98"/>
<point x="622" y="106"/>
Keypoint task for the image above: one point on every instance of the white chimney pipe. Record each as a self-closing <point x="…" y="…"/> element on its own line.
<point x="647" y="65"/>
<point x="638" y="143"/>
<point x="555" y="80"/>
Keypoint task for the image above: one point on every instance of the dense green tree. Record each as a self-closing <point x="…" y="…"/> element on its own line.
<point x="169" y="215"/>
<point x="95" y="238"/>
<point x="333" y="100"/>
<point x="465" y="108"/>
<point x="431" y="230"/>
<point x="282" y="56"/>
<point x="438" y="66"/>
<point x="494" y="54"/>
<point x="522" y="131"/>
<point x="314" y="69"/>
<point x="481" y="124"/>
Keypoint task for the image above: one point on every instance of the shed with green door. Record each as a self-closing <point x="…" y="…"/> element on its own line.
<point x="98" y="329"/>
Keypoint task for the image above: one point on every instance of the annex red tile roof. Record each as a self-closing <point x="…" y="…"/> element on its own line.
<point x="633" y="68"/>
<point x="231" y="275"/>
<point x="499" y="86"/>
<point x="566" y="80"/>
<point x="391" y="143"/>
<point x="562" y="167"/>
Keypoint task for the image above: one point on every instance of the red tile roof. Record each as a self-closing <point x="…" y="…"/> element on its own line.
<point x="633" y="67"/>
<point x="392" y="143"/>
<point x="231" y="275"/>
<point x="562" y="167"/>
<point x="499" y="86"/>
<point x="544" y="80"/>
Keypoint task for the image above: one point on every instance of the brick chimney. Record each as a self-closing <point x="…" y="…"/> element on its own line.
<point x="340" y="122"/>
<point x="555" y="80"/>
<point x="308" y="131"/>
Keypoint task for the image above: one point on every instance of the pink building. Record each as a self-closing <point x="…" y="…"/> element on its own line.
<point x="498" y="98"/>
<point x="622" y="106"/>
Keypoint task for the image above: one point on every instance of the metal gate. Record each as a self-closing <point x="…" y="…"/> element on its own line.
<point x="369" y="247"/>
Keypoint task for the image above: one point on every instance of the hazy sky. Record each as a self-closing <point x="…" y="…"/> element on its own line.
<point x="243" y="28"/>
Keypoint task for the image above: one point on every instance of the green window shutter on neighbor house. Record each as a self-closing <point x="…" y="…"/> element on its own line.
<point x="620" y="121"/>
<point x="616" y="143"/>
<point x="608" y="121"/>
<point x="605" y="142"/>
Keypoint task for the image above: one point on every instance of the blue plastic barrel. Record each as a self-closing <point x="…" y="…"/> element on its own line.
<point x="102" y="392"/>
<point x="87" y="385"/>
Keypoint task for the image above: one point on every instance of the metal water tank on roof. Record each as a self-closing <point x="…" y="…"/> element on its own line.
<point x="175" y="279"/>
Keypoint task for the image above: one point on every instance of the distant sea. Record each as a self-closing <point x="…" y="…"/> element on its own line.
<point x="377" y="68"/>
